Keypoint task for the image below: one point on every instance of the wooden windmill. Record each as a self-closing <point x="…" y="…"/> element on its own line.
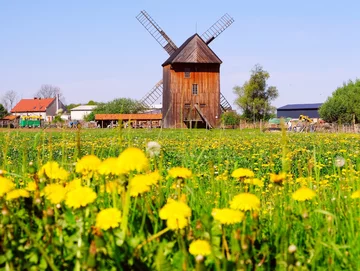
<point x="190" y="87"/>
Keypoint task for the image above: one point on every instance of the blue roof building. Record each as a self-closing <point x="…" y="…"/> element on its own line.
<point x="295" y="110"/>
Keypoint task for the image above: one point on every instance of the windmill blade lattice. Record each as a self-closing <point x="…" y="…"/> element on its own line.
<point x="155" y="30"/>
<point x="217" y="28"/>
<point x="153" y="95"/>
<point x="224" y="104"/>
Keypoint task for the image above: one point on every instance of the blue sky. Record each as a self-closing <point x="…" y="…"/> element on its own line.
<point x="97" y="50"/>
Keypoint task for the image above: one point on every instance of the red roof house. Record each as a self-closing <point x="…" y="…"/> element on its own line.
<point x="46" y="108"/>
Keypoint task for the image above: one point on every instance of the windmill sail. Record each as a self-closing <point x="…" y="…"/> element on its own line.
<point x="155" y="30"/>
<point x="217" y="28"/>
<point x="224" y="104"/>
<point x="153" y="95"/>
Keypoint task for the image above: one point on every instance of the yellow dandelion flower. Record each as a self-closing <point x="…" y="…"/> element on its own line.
<point x="108" y="218"/>
<point x="53" y="171"/>
<point x="175" y="212"/>
<point x="277" y="178"/>
<point x="109" y="167"/>
<point x="179" y="172"/>
<point x="255" y="182"/>
<point x="31" y="186"/>
<point x="200" y="247"/>
<point x="88" y="165"/>
<point x="73" y="184"/>
<point x="112" y="186"/>
<point x="55" y="193"/>
<point x="242" y="173"/>
<point x="355" y="195"/>
<point x="132" y="159"/>
<point x="5" y="186"/>
<point x="80" y="197"/>
<point x="141" y="183"/>
<point x="17" y="193"/>
<point x="245" y="202"/>
<point x="303" y="193"/>
<point x="227" y="216"/>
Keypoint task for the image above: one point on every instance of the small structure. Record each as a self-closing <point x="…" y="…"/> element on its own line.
<point x="44" y="108"/>
<point x="295" y="110"/>
<point x="81" y="111"/>
<point x="129" y="120"/>
<point x="10" y="121"/>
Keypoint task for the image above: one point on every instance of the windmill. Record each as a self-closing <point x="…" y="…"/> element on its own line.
<point x="190" y="87"/>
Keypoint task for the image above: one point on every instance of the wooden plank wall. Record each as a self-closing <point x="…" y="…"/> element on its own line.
<point x="178" y="100"/>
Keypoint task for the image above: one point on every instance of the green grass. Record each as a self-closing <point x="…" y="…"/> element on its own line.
<point x="37" y="235"/>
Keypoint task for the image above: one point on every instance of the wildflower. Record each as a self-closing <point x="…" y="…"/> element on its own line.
<point x="112" y="186"/>
<point x="245" y="202"/>
<point x="17" y="193"/>
<point x="108" y="218"/>
<point x="200" y="247"/>
<point x="31" y="186"/>
<point x="227" y="216"/>
<point x="277" y="178"/>
<point x="153" y="148"/>
<point x="292" y="249"/>
<point x="179" y="172"/>
<point x="355" y="195"/>
<point x="53" y="171"/>
<point x="339" y="161"/>
<point x="255" y="182"/>
<point x="132" y="159"/>
<point x="176" y="214"/>
<point x="5" y="185"/>
<point x="55" y="193"/>
<point x="303" y="194"/>
<point x="88" y="165"/>
<point x="80" y="197"/>
<point x="73" y="184"/>
<point x="109" y="167"/>
<point x="141" y="183"/>
<point x="242" y="173"/>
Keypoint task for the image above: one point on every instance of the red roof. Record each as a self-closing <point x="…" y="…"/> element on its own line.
<point x="32" y="105"/>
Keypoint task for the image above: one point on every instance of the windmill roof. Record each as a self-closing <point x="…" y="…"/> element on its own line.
<point x="193" y="50"/>
<point x="32" y="105"/>
<point x="300" y="106"/>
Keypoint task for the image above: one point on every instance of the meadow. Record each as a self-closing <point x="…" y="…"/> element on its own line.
<point x="128" y="199"/>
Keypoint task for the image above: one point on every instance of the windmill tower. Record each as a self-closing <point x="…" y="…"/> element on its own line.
<point x="190" y="87"/>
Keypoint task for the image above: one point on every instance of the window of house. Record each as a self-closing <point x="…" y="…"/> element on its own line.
<point x="187" y="73"/>
<point x="194" y="89"/>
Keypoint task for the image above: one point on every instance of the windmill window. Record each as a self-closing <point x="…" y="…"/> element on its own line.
<point x="194" y="89"/>
<point x="187" y="105"/>
<point x="187" y="73"/>
<point x="202" y="105"/>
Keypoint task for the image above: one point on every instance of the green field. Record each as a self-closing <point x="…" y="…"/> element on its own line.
<point x="206" y="200"/>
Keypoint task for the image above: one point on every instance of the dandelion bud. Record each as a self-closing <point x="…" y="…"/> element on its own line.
<point x="199" y="258"/>
<point x="292" y="249"/>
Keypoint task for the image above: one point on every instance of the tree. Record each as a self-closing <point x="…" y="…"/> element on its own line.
<point x="49" y="91"/>
<point x="90" y="117"/>
<point x="255" y="96"/>
<point x="71" y="106"/>
<point x="118" y="106"/>
<point x="230" y="118"/>
<point x="344" y="104"/>
<point x="91" y="102"/>
<point x="9" y="99"/>
<point x="3" y="111"/>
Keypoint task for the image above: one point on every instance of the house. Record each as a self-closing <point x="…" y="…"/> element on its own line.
<point x="44" y="107"/>
<point x="81" y="111"/>
<point x="295" y="110"/>
<point x="9" y="121"/>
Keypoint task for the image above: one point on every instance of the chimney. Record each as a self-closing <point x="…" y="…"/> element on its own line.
<point x="57" y="103"/>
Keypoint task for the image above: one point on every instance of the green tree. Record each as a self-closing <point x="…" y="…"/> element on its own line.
<point x="71" y="106"/>
<point x="230" y="118"/>
<point x="255" y="96"/>
<point x="91" y="102"/>
<point x="118" y="106"/>
<point x="90" y="117"/>
<point x="344" y="104"/>
<point x="3" y="111"/>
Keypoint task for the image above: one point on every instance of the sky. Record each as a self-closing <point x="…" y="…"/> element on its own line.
<point x="97" y="50"/>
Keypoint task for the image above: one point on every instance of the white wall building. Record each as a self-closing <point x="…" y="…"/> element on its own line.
<point x="81" y="111"/>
